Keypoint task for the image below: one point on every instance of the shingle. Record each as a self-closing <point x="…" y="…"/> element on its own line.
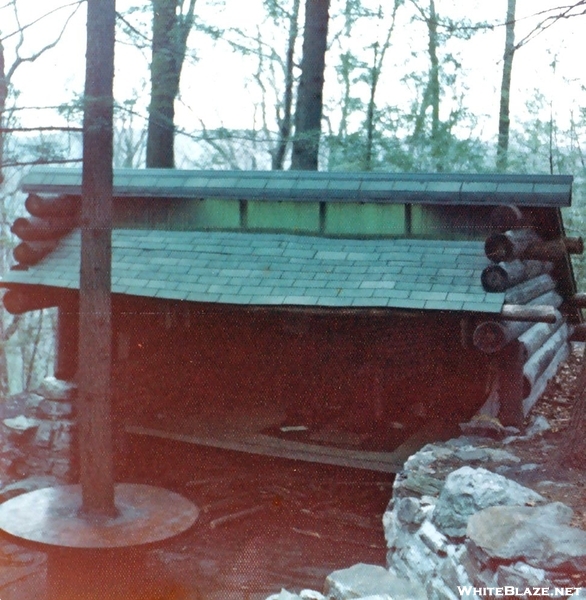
<point x="222" y="266"/>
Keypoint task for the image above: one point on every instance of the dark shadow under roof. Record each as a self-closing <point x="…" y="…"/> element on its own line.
<point x="398" y="188"/>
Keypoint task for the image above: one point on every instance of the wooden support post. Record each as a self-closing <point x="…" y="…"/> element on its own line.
<point x="67" y="341"/>
<point x="511" y="385"/>
<point x="94" y="415"/>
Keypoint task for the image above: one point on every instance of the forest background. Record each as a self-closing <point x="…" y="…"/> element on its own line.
<point x="394" y="85"/>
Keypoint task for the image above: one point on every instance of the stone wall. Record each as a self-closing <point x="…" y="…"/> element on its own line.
<point x="36" y="433"/>
<point x="454" y="530"/>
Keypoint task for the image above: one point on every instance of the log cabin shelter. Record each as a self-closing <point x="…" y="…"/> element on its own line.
<point x="324" y="316"/>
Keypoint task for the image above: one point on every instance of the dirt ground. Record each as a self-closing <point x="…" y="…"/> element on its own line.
<point x="267" y="523"/>
<point x="554" y="478"/>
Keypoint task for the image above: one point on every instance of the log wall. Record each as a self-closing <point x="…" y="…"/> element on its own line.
<point x="526" y="262"/>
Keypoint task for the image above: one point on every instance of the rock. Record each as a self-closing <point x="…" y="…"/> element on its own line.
<point x="421" y="483"/>
<point x="311" y="595"/>
<point x="484" y="426"/>
<point x="55" y="409"/>
<point x="56" y="389"/>
<point x="21" y="424"/>
<point x="284" y="595"/>
<point x="467" y="491"/>
<point x="44" y="434"/>
<point x="420" y="560"/>
<point x="362" y="580"/>
<point x="33" y="400"/>
<point x="438" y="590"/>
<point x="470" y="454"/>
<point x="519" y="575"/>
<point x="432" y="538"/>
<point x="408" y="511"/>
<point x="29" y="484"/>
<point x="538" y="425"/>
<point x="539" y="536"/>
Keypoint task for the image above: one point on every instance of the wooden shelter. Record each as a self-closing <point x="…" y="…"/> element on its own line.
<point x="322" y="316"/>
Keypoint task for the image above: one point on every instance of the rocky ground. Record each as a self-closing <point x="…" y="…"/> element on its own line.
<point x="552" y="476"/>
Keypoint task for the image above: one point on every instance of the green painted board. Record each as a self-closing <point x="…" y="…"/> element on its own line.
<point x="209" y="213"/>
<point x="283" y="215"/>
<point x="354" y="218"/>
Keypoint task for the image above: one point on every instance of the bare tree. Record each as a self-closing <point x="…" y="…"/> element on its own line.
<point x="308" y="111"/>
<point x="379" y="52"/>
<point x="9" y="326"/>
<point x="284" y="113"/>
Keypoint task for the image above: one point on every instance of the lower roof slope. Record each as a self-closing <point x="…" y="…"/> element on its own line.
<point x="281" y="269"/>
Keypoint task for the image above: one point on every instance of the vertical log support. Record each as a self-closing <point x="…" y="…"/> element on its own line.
<point x="512" y="358"/>
<point x="94" y="415"/>
<point x="67" y="341"/>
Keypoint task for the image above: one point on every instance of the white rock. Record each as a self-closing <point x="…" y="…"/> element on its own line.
<point x="311" y="595"/>
<point x="362" y="580"/>
<point x="432" y="538"/>
<point x="284" y="595"/>
<point x="21" y="424"/>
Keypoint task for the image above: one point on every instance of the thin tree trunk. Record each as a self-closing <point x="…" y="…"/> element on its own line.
<point x="3" y="97"/>
<point x="434" y="87"/>
<point x="504" y="111"/>
<point x="308" y="112"/>
<point x="278" y="158"/>
<point x="377" y="65"/>
<point x="96" y="468"/>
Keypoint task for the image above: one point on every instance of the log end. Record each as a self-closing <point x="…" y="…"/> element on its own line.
<point x="489" y="337"/>
<point x="494" y="279"/>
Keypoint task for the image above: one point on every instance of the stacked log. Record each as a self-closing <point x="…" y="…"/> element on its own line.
<point x="49" y="220"/>
<point x="530" y="336"/>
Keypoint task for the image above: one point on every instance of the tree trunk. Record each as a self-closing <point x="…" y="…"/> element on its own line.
<point x="278" y="157"/>
<point x="308" y="111"/>
<point x="504" y="116"/>
<point x="171" y="29"/>
<point x="94" y="417"/>
<point x="434" y="87"/>
<point x="3" y="97"/>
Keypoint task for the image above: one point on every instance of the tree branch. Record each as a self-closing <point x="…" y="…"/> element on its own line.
<point x="33" y="57"/>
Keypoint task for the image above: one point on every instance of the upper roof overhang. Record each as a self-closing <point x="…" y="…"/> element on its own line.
<point x="395" y="188"/>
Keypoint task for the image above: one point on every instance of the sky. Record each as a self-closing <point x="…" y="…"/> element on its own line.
<point x="218" y="88"/>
